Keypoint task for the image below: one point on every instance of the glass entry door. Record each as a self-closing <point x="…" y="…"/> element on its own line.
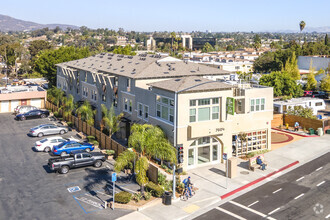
<point x="191" y="157"/>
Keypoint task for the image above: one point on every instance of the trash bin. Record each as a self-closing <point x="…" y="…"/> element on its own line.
<point x="311" y="131"/>
<point x="167" y="198"/>
<point x="328" y="131"/>
<point x="320" y="131"/>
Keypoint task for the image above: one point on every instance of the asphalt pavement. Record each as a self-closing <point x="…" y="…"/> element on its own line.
<point x="302" y="193"/>
<point x="29" y="190"/>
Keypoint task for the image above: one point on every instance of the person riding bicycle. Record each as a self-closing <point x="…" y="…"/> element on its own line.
<point x="187" y="185"/>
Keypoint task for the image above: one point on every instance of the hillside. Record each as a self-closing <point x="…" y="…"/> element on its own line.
<point x="8" y="23"/>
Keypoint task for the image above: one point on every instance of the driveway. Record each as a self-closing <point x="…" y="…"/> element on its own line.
<point x="30" y="191"/>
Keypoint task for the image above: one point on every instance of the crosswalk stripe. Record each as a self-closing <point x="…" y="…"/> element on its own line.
<point x="230" y="213"/>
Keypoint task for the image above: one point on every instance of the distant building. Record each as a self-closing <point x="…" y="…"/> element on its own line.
<point x="13" y="96"/>
<point x="306" y="102"/>
<point x="318" y="62"/>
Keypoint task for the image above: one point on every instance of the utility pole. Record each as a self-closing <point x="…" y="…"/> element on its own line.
<point x="174" y="182"/>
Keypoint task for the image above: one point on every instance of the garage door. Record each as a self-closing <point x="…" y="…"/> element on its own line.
<point x="36" y="102"/>
<point x="4" y="106"/>
<point x="13" y="104"/>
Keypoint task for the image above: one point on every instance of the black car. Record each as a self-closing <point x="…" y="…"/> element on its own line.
<point x="320" y="94"/>
<point x="33" y="114"/>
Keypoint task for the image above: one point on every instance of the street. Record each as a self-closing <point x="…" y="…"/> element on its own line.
<point x="302" y="193"/>
<point x="30" y="191"/>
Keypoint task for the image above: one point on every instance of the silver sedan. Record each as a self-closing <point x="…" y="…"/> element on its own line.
<point x="47" y="129"/>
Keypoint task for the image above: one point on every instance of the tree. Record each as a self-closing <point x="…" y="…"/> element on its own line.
<point x="301" y="111"/>
<point x="326" y="40"/>
<point x="38" y="45"/>
<point x="110" y="119"/>
<point x="86" y="112"/>
<point x="207" y="48"/>
<point x="257" y="42"/>
<point x="291" y="67"/>
<point x="325" y="83"/>
<point x="55" y="95"/>
<point x="146" y="141"/>
<point x="127" y="50"/>
<point x="173" y="37"/>
<point x="311" y="81"/>
<point x="302" y="25"/>
<point x="282" y="83"/>
<point x="45" y="63"/>
<point x="68" y="105"/>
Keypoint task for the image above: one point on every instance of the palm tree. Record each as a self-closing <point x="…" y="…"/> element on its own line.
<point x="146" y="141"/>
<point x="173" y="36"/>
<point x="55" y="95"/>
<point x="110" y="119"/>
<point x="68" y="105"/>
<point x="86" y="112"/>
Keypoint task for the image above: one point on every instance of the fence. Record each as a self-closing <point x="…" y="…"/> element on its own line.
<point x="303" y="122"/>
<point x="105" y="141"/>
<point x="277" y="120"/>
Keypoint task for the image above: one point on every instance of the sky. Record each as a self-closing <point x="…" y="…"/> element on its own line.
<point x="171" y="15"/>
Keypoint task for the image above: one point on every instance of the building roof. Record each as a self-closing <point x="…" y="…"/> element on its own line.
<point x="143" y="66"/>
<point x="297" y="101"/>
<point x="190" y="84"/>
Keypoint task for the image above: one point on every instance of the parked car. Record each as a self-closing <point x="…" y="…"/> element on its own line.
<point x="47" y="144"/>
<point x="308" y="93"/>
<point x="320" y="94"/>
<point x="47" y="129"/>
<point x="32" y="115"/>
<point x="21" y="109"/>
<point x="71" y="146"/>
<point x="76" y="159"/>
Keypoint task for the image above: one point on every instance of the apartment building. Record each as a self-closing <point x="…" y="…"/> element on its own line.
<point x="204" y="116"/>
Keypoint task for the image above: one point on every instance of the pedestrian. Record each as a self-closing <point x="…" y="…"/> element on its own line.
<point x="296" y="126"/>
<point x="261" y="163"/>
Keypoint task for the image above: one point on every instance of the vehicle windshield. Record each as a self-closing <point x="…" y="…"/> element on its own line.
<point x="61" y="145"/>
<point x="43" y="140"/>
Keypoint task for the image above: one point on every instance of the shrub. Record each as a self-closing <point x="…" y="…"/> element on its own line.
<point x="163" y="166"/>
<point x="147" y="195"/>
<point x="123" y="197"/>
<point x="137" y="197"/>
<point x="56" y="114"/>
<point x="154" y="189"/>
<point x="110" y="152"/>
<point x="252" y="154"/>
<point x="90" y="138"/>
<point x="95" y="142"/>
<point x="70" y="124"/>
<point x="161" y="178"/>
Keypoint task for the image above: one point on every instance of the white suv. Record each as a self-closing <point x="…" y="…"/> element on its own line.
<point x="47" y="144"/>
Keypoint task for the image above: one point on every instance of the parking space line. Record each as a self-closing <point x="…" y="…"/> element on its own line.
<point x="328" y="216"/>
<point x="230" y="213"/>
<point x="277" y="190"/>
<point x="302" y="194"/>
<point x="80" y="204"/>
<point x="300" y="178"/>
<point x="318" y="168"/>
<point x="275" y="210"/>
<point x="253" y="203"/>
<point x="251" y="210"/>
<point x="320" y="183"/>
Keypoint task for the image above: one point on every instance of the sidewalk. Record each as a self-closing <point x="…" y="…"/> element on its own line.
<point x="211" y="180"/>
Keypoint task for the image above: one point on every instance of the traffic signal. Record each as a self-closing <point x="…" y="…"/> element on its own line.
<point x="179" y="148"/>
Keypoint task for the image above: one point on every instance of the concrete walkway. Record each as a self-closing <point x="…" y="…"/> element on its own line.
<point x="211" y="180"/>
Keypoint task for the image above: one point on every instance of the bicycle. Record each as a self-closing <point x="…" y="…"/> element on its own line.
<point x="185" y="194"/>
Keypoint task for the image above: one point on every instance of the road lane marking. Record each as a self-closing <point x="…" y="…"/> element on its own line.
<point x="320" y="183"/>
<point x="299" y="196"/>
<point x="251" y="210"/>
<point x="300" y="178"/>
<point x="318" y="168"/>
<point x="328" y="216"/>
<point x="277" y="190"/>
<point x="230" y="213"/>
<point x="275" y="210"/>
<point x="253" y="203"/>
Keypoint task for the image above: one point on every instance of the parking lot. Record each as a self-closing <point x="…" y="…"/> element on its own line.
<point x="29" y="190"/>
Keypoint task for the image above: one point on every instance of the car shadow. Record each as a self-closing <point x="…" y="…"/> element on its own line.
<point x="47" y="169"/>
<point x="34" y="149"/>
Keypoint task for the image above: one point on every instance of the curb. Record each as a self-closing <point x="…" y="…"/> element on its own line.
<point x="301" y="135"/>
<point x="257" y="180"/>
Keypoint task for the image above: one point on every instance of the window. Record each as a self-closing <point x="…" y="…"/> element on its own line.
<point x="140" y="110"/>
<point x="215" y="112"/>
<point x="192" y="102"/>
<point x="146" y="112"/>
<point x="215" y="101"/>
<point x="318" y="104"/>
<point x="257" y="105"/>
<point x="93" y="94"/>
<point x="192" y="115"/>
<point x="128" y="82"/>
<point x="115" y="80"/>
<point x="204" y="114"/>
<point x="85" y="91"/>
<point x="130" y="106"/>
<point x="125" y="104"/>
<point x="103" y="98"/>
<point x="203" y="101"/>
<point x="78" y="156"/>
<point x="165" y="108"/>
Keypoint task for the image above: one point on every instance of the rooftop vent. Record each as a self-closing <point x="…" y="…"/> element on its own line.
<point x="118" y="59"/>
<point x="166" y="72"/>
<point x="136" y="63"/>
<point x="198" y="80"/>
<point x="178" y="80"/>
<point x="193" y="71"/>
<point x="122" y="66"/>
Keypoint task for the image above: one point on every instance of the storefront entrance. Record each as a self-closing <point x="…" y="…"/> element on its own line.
<point x="204" y="151"/>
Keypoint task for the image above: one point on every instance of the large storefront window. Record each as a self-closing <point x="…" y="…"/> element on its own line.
<point x="204" y="109"/>
<point x="203" y="151"/>
<point x="247" y="142"/>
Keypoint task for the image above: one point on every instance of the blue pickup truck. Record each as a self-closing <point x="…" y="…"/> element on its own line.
<point x="66" y="148"/>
